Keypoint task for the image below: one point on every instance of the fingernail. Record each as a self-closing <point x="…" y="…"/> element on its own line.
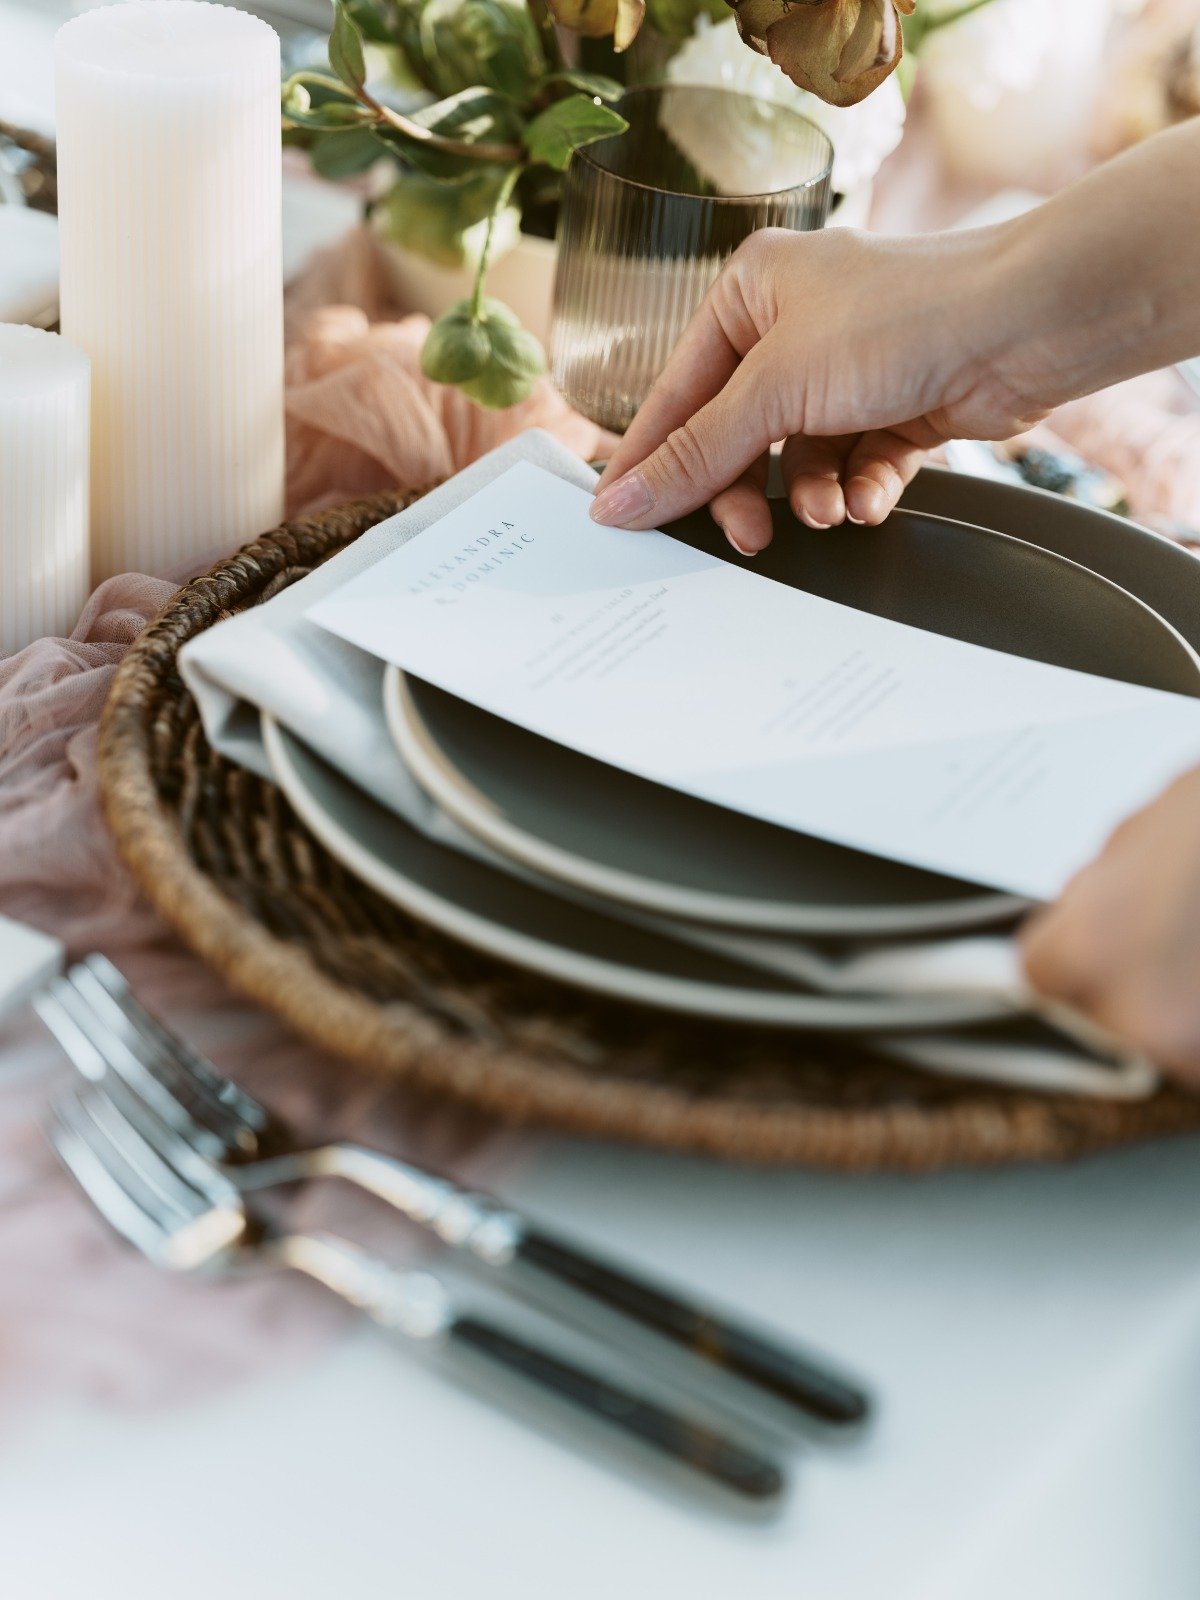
<point x="623" y="501"/>
<point x="857" y="521"/>
<point x="812" y="521"/>
<point x="740" y="548"/>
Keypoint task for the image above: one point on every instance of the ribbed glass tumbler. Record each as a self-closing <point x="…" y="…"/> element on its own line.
<point x="650" y="217"/>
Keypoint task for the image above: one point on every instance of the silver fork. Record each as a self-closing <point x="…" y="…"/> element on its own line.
<point x="184" y="1215"/>
<point x="103" y="1029"/>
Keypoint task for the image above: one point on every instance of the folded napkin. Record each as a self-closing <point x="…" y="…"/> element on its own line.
<point x="329" y="694"/>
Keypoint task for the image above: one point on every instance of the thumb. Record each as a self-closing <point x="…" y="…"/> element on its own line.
<point x="705" y="454"/>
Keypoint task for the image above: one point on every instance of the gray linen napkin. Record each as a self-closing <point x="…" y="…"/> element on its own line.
<point x="329" y="694"/>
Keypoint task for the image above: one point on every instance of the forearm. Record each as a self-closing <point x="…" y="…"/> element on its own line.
<point x="1107" y="274"/>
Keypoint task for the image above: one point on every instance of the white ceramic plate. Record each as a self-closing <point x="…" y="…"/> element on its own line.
<point x="536" y="929"/>
<point x="618" y="837"/>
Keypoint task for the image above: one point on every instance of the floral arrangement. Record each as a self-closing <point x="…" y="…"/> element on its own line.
<point x="480" y="108"/>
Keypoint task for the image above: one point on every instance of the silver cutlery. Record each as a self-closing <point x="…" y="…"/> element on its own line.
<point x="183" y="1214"/>
<point x="104" y="1029"/>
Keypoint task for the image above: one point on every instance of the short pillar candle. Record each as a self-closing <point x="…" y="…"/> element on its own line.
<point x="169" y="172"/>
<point x="43" y="485"/>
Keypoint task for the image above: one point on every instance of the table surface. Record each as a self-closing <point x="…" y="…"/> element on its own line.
<point x="1033" y="1336"/>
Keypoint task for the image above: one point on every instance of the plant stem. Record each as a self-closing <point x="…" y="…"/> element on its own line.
<point x="485" y="255"/>
<point x="547" y="32"/>
<point x="416" y="131"/>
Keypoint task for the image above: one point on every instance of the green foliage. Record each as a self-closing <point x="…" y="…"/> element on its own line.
<point x="471" y="117"/>
<point x="346" y="55"/>
<point x="311" y="101"/>
<point x="462" y="44"/>
<point x="590" y="83"/>
<point x="502" y="108"/>
<point x="569" y="124"/>
<point x="345" y="154"/>
<point x="676" y="19"/>
<point x="371" y="18"/>
<point x="447" y="222"/>
<point x="485" y="351"/>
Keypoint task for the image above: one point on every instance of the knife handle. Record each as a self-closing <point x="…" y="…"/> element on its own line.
<point x="504" y="1241"/>
<point x="669" y="1433"/>
<point x="714" y="1338"/>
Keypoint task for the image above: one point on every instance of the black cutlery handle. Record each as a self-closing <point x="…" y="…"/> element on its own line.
<point x="671" y="1434"/>
<point x="785" y="1374"/>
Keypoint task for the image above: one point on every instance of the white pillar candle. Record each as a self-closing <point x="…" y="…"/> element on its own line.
<point x="43" y="485"/>
<point x="169" y="208"/>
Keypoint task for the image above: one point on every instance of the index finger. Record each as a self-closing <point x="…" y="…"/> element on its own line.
<point x="699" y="367"/>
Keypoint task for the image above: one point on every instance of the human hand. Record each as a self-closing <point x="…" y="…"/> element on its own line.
<point x="1122" y="944"/>
<point x="860" y="352"/>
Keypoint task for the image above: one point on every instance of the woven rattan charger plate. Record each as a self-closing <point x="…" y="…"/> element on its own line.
<point x="225" y="861"/>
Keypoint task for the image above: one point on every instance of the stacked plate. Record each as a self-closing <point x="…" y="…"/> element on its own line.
<point x="584" y="873"/>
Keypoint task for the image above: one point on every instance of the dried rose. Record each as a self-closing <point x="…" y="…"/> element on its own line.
<point x="598" y="18"/>
<point x="838" y="49"/>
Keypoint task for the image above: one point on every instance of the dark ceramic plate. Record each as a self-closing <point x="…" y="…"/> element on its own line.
<point x="580" y="821"/>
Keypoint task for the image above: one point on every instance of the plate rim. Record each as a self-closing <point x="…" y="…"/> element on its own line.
<point x="473" y="810"/>
<point x="694" y="997"/>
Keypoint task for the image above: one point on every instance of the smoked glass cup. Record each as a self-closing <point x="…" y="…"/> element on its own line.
<point x="649" y="218"/>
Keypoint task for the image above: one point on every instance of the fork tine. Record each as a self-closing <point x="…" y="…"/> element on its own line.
<point x="180" y="1219"/>
<point x="151" y="1176"/>
<point x="64" y="1127"/>
<point x="88" y="1039"/>
<point x="220" y="1102"/>
<point x="83" y="1054"/>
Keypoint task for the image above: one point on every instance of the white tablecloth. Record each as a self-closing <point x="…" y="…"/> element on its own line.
<point x="1034" y="1337"/>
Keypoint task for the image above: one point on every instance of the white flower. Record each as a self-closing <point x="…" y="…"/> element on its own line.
<point x="862" y="135"/>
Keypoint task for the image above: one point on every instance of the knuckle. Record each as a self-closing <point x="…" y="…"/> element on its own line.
<point x="683" y="455"/>
<point x="885" y="473"/>
<point x="760" y="247"/>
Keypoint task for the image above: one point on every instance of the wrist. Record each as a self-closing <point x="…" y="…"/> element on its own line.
<point x="1075" y="320"/>
<point x="1099" y="278"/>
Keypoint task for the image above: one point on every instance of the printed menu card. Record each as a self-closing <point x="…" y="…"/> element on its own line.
<point x="705" y="676"/>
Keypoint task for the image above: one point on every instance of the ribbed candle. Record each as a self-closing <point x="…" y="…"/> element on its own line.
<point x="43" y="485"/>
<point x="169" y="202"/>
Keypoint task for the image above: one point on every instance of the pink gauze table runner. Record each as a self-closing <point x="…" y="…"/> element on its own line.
<point x="78" y="1313"/>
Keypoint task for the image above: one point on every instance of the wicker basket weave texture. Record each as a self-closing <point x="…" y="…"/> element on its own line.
<point x="224" y="859"/>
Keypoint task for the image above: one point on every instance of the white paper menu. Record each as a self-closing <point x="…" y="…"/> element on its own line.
<point x="686" y="669"/>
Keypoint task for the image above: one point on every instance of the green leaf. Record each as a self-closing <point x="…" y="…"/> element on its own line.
<point x="567" y="125"/>
<point x="326" y="114"/>
<point x="447" y="222"/>
<point x="346" y="153"/>
<point x="371" y="22"/>
<point x="594" y="84"/>
<point x="346" y="55"/>
<point x="476" y="116"/>
<point x="676" y="19"/>
<point x="494" y="361"/>
<point x="491" y="44"/>
<point x="503" y="40"/>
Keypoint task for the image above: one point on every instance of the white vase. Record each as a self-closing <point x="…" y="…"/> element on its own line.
<point x="524" y="278"/>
